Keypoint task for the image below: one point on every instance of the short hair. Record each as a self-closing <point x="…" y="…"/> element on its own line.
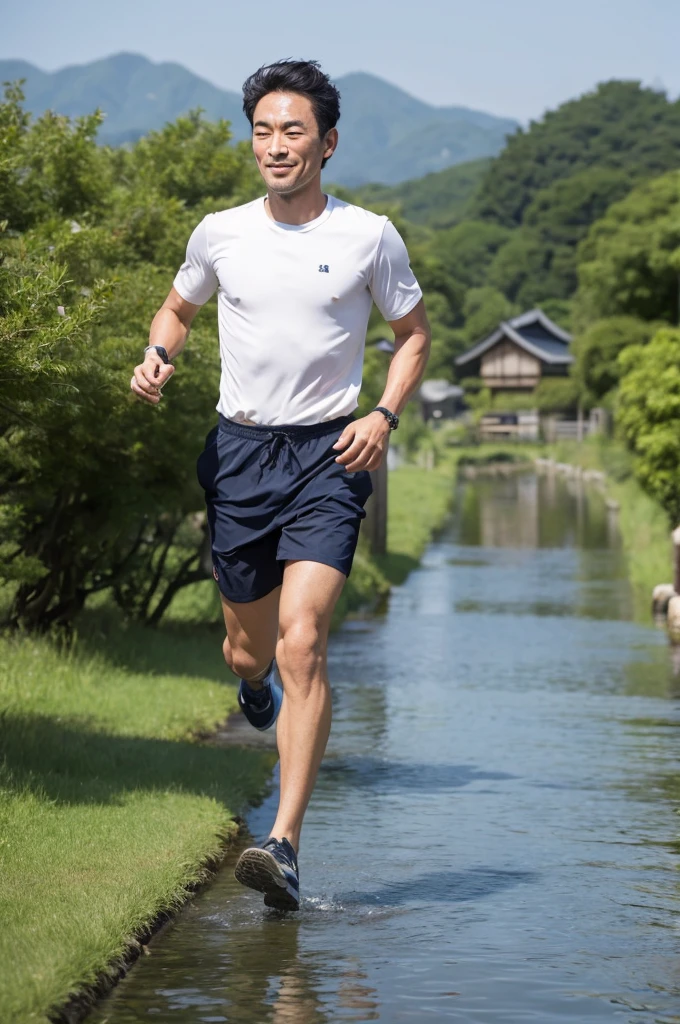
<point x="301" y="76"/>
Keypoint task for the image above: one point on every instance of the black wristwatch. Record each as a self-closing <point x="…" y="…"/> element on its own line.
<point x="391" y="417"/>
<point x="161" y="352"/>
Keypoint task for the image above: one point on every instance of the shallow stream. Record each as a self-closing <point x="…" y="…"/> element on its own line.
<point x="493" y="835"/>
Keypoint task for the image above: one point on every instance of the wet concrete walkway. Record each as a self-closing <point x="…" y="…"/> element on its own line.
<point x="493" y="835"/>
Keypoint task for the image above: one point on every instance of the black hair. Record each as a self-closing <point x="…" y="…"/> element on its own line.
<point x="301" y="76"/>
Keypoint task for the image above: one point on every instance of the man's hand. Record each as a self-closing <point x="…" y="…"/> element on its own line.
<point x="367" y="439"/>
<point x="150" y="376"/>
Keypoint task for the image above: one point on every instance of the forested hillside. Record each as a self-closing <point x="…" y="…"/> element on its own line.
<point x="385" y="134"/>
<point x="438" y="200"/>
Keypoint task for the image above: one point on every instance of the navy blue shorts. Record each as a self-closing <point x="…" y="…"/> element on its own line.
<point x="274" y="494"/>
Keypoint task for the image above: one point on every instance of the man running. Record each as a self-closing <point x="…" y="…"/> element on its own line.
<point x="286" y="469"/>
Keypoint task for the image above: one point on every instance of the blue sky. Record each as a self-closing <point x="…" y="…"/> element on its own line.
<point x="511" y="57"/>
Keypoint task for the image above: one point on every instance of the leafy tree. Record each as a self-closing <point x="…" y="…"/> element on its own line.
<point x="648" y="416"/>
<point x="190" y="159"/>
<point x="86" y="472"/>
<point x="562" y="212"/>
<point x="559" y="311"/>
<point x="630" y="261"/>
<point x="484" y="309"/>
<point x="97" y="490"/>
<point x="50" y="167"/>
<point x="556" y="394"/>
<point x="466" y="251"/>
<point x="596" y="369"/>
<point x="517" y="266"/>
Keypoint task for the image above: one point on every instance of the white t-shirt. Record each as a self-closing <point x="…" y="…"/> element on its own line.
<point x="293" y="305"/>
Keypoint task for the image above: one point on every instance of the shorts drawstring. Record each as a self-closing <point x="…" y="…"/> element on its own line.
<point x="279" y="440"/>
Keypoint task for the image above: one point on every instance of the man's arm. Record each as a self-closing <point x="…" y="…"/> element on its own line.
<point x="367" y="437"/>
<point x="169" y="328"/>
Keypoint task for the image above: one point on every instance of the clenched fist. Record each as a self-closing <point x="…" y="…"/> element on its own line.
<point x="150" y="376"/>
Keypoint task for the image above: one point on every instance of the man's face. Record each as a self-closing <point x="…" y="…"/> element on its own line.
<point x="286" y="142"/>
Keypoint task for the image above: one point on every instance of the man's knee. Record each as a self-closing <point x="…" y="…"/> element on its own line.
<point x="301" y="650"/>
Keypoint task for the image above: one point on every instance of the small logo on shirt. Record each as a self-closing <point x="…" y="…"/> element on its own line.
<point x="323" y="268"/>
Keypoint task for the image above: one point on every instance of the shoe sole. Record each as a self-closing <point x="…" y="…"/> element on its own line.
<point x="259" y="869"/>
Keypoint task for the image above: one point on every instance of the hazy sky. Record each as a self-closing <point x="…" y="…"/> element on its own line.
<point x="512" y="57"/>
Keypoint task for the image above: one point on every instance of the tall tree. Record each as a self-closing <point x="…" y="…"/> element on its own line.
<point x="630" y="262"/>
<point x="648" y="414"/>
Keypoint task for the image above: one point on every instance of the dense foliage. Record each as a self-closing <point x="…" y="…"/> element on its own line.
<point x="597" y="369"/>
<point x="97" y="490"/>
<point x="630" y="261"/>
<point x="648" y="414"/>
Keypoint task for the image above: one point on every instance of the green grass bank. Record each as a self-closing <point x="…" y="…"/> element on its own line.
<point x="112" y="804"/>
<point x="645" y="531"/>
<point x="110" y="808"/>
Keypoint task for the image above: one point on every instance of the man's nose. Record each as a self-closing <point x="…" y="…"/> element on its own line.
<point x="277" y="146"/>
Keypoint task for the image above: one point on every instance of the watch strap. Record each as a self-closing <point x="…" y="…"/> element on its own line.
<point x="391" y="417"/>
<point x="161" y="352"/>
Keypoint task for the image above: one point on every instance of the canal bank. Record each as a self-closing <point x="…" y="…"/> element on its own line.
<point x="492" y="837"/>
<point x="644" y="527"/>
<point x="113" y="810"/>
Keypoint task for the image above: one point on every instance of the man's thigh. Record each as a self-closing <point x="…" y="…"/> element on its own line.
<point x="308" y="596"/>
<point x="253" y="626"/>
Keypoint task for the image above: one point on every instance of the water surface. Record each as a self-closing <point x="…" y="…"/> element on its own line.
<point x="493" y="835"/>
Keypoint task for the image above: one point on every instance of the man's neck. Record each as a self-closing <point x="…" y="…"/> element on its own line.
<point x="297" y="208"/>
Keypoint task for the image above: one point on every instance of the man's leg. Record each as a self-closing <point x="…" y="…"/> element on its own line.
<point x="308" y="596"/>
<point x="252" y="629"/>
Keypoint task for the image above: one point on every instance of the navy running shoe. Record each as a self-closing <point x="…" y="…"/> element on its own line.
<point x="273" y="870"/>
<point x="261" y="707"/>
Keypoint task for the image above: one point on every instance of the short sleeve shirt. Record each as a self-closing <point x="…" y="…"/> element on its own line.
<point x="293" y="305"/>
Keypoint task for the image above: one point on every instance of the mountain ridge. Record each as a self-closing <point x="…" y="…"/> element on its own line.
<point x="387" y="135"/>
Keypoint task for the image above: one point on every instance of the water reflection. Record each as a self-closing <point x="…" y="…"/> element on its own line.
<point x="492" y="837"/>
<point x="524" y="510"/>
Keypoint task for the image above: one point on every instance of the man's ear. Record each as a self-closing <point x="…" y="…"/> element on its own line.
<point x="330" y="143"/>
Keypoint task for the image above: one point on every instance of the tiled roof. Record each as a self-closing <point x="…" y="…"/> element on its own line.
<point x="534" y="332"/>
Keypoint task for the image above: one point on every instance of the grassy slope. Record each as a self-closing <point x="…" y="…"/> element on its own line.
<point x="418" y="502"/>
<point x="108" y="809"/>
<point x="643" y="524"/>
